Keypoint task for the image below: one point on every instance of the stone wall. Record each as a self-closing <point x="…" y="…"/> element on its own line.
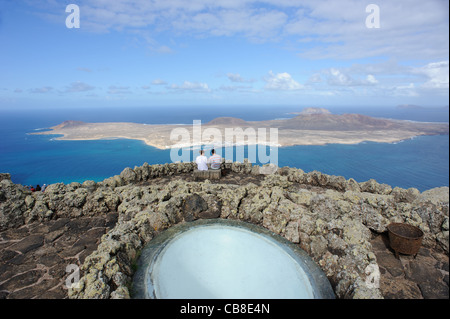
<point x="330" y="217"/>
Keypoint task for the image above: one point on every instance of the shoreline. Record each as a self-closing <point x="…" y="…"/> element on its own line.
<point x="192" y="145"/>
<point x="288" y="156"/>
<point x="226" y="132"/>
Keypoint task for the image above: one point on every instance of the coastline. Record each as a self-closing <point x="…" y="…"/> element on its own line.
<point x="159" y="136"/>
<point x="192" y="145"/>
<point x="386" y="162"/>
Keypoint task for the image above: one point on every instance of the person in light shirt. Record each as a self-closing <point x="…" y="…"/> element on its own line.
<point x="202" y="161"/>
<point x="215" y="160"/>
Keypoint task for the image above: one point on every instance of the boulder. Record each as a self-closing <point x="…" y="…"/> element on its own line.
<point x="5" y="176"/>
<point x="194" y="205"/>
<point x="128" y="175"/>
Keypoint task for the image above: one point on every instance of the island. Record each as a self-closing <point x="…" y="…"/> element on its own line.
<point x="313" y="126"/>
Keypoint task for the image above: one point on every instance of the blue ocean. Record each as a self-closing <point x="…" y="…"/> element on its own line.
<point x="421" y="162"/>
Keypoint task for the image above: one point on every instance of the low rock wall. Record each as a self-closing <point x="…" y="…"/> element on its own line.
<point x="330" y="217"/>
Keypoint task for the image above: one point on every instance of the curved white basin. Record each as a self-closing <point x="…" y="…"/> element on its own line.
<point x="227" y="262"/>
<point x="224" y="260"/>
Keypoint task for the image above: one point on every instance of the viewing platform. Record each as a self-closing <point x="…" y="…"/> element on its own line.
<point x="211" y="174"/>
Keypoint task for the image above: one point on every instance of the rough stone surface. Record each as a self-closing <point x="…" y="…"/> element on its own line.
<point x="101" y="228"/>
<point x="422" y="277"/>
<point x="208" y="174"/>
<point x="34" y="257"/>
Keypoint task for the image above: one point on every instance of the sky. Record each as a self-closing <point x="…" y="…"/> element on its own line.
<point x="223" y="52"/>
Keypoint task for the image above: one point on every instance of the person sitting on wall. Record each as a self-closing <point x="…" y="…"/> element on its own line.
<point x="215" y="160"/>
<point x="38" y="188"/>
<point x="202" y="161"/>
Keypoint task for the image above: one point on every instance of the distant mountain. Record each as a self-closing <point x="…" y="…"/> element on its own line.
<point x="312" y="110"/>
<point x="351" y="122"/>
<point x="315" y="110"/>
<point x="68" y="124"/>
<point x="332" y="122"/>
<point x="322" y="120"/>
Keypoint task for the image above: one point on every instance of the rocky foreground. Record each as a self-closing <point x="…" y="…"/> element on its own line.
<point x="101" y="228"/>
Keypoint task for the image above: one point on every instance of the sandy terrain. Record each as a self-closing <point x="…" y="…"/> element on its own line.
<point x="317" y="129"/>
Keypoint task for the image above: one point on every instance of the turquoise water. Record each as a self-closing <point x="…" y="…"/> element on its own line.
<point x="421" y="162"/>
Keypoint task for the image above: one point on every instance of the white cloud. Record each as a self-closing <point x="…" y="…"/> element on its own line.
<point x="336" y="29"/>
<point x="78" y="87"/>
<point x="371" y="79"/>
<point x="414" y="29"/>
<point x="281" y="81"/>
<point x="236" y="77"/>
<point x="152" y="44"/>
<point x="44" y="89"/>
<point x="254" y="23"/>
<point x="195" y="17"/>
<point x="339" y="78"/>
<point x="87" y="70"/>
<point x="113" y="89"/>
<point x="191" y="87"/>
<point x="315" y="78"/>
<point x="159" y="82"/>
<point x="437" y="74"/>
<point x="410" y="30"/>
<point x="336" y="77"/>
<point x="409" y="90"/>
<point x="386" y="78"/>
<point x="238" y="88"/>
